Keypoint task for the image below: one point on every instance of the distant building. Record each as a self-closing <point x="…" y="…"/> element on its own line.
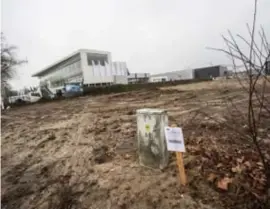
<point x="157" y="79"/>
<point x="88" y="67"/>
<point x="197" y="73"/>
<point x="210" y="72"/>
<point x="138" y="78"/>
<point x="172" y="76"/>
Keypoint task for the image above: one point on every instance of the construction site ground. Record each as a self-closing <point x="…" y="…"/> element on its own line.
<point x="82" y="152"/>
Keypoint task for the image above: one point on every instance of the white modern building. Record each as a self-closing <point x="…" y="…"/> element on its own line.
<point x="138" y="78"/>
<point x="158" y="78"/>
<point x="172" y="76"/>
<point x="188" y="74"/>
<point x="89" y="67"/>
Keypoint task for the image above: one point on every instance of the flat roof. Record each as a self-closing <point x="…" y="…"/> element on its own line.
<point x="171" y="72"/>
<point x="211" y="66"/>
<point x="67" y="57"/>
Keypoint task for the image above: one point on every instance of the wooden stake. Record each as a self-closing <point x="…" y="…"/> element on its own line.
<point x="181" y="167"/>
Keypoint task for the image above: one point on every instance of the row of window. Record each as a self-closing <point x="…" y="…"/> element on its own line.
<point x="57" y="83"/>
<point x="61" y="82"/>
<point x="101" y="62"/>
<point x="64" y="72"/>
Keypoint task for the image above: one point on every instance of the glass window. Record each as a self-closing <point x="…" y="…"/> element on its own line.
<point x="71" y="68"/>
<point x="35" y="94"/>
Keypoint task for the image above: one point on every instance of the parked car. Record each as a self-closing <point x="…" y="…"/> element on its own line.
<point x="72" y="89"/>
<point x="31" y="97"/>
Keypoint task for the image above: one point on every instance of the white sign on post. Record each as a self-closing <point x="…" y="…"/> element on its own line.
<point x="175" y="139"/>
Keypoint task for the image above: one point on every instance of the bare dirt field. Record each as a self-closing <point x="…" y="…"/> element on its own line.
<point x="81" y="153"/>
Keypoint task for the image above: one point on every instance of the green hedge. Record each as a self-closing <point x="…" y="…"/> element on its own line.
<point x="116" y="89"/>
<point x="133" y="87"/>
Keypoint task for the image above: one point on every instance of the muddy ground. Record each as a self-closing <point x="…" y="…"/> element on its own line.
<point x="81" y="153"/>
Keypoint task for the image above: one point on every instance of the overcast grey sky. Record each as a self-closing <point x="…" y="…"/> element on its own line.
<point x="150" y="35"/>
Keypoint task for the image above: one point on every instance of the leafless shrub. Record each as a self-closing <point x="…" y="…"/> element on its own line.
<point x="254" y="80"/>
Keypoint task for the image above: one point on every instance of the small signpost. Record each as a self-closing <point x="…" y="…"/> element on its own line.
<point x="175" y="142"/>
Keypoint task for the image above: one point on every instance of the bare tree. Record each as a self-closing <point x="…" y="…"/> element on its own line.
<point x="254" y="80"/>
<point x="9" y="62"/>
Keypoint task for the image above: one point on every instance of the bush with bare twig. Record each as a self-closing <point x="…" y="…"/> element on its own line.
<point x="254" y="81"/>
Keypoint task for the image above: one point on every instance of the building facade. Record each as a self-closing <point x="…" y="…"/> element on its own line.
<point x="88" y="67"/>
<point x="197" y="73"/>
<point x="172" y="76"/>
<point x="157" y="79"/>
<point x="138" y="78"/>
<point x="210" y="72"/>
